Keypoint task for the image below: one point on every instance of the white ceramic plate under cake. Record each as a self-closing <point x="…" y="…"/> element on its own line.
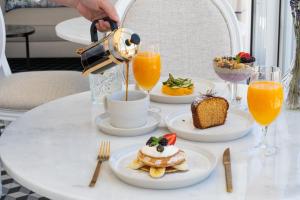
<point x="238" y="124"/>
<point x="200" y="86"/>
<point x="201" y="163"/>
<point x="103" y="123"/>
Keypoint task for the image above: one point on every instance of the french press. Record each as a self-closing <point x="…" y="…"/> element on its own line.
<point x="117" y="47"/>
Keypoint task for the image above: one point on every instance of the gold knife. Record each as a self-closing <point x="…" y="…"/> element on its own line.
<point x="227" y="166"/>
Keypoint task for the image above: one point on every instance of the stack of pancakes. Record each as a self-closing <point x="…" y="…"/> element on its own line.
<point x="158" y="166"/>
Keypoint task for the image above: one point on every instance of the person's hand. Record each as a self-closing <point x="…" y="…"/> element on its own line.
<point x="93" y="9"/>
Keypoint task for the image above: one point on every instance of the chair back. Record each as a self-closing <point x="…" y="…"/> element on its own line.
<point x="4" y="67"/>
<point x="190" y="33"/>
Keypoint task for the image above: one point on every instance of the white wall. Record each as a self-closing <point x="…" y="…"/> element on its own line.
<point x="266" y="32"/>
<point x="243" y="12"/>
<point x="287" y="40"/>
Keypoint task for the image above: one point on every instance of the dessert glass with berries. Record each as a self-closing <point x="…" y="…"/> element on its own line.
<point x="234" y="70"/>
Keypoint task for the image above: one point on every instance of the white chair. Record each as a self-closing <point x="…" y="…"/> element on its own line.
<point x="21" y="92"/>
<point x="190" y="33"/>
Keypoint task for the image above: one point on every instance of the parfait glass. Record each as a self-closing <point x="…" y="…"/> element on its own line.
<point x="265" y="98"/>
<point x="146" y="67"/>
<point x="234" y="75"/>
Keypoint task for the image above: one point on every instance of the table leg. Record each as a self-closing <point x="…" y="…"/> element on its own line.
<point x="27" y="51"/>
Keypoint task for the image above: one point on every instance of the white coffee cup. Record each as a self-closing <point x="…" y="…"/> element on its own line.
<point x="132" y="113"/>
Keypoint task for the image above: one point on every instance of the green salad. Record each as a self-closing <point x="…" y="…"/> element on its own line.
<point x="178" y="82"/>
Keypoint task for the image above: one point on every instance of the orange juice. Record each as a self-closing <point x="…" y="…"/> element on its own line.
<point x="146" y="69"/>
<point x="264" y="101"/>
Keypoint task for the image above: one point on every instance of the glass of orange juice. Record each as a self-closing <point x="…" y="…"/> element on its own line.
<point x="146" y="67"/>
<point x="265" y="98"/>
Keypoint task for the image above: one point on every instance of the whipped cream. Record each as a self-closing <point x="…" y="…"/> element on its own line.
<point x="169" y="150"/>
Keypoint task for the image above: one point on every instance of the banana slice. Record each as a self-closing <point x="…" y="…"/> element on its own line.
<point x="182" y="167"/>
<point x="136" y="164"/>
<point x="157" y="172"/>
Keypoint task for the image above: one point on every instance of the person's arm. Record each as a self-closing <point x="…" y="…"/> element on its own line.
<point x="93" y="9"/>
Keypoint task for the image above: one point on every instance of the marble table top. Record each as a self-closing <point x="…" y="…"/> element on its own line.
<point x="52" y="149"/>
<point x="75" y="30"/>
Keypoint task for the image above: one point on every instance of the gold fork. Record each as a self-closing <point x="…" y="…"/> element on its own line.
<point x="104" y="153"/>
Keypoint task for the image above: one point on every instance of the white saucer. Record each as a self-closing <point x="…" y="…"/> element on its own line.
<point x="238" y="124"/>
<point x="200" y="162"/>
<point x="102" y="122"/>
<point x="200" y="86"/>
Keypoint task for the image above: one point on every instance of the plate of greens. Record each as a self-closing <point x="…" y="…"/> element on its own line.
<point x="179" y="90"/>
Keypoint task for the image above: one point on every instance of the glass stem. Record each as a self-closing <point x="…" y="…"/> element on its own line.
<point x="264" y="142"/>
<point x="153" y="108"/>
<point x="234" y="90"/>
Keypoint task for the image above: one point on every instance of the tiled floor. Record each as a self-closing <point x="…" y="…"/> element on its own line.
<point x="13" y="191"/>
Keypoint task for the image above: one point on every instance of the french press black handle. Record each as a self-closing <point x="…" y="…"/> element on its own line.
<point x="93" y="29"/>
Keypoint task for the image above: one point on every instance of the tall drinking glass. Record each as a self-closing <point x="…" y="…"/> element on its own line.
<point x="146" y="67"/>
<point x="102" y="84"/>
<point x="265" y="98"/>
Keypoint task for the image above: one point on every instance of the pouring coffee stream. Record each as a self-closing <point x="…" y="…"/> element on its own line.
<point x="118" y="47"/>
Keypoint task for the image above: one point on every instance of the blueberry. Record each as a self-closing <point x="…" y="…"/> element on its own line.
<point x="160" y="148"/>
<point x="247" y="60"/>
<point x="252" y="59"/>
<point x="163" y="142"/>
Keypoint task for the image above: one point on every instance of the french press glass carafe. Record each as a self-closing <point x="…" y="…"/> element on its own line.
<point x="117" y="47"/>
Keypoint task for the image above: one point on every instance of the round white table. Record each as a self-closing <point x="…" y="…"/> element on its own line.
<point x="52" y="150"/>
<point x="75" y="30"/>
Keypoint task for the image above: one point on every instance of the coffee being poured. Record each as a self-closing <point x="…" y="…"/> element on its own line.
<point x="118" y="47"/>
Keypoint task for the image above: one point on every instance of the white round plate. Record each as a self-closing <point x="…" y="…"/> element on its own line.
<point x="201" y="163"/>
<point x="238" y="124"/>
<point x="200" y="86"/>
<point x="102" y="122"/>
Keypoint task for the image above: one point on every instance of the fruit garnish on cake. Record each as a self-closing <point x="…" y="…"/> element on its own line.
<point x="209" y="110"/>
<point x="178" y="86"/>
<point x="160" y="156"/>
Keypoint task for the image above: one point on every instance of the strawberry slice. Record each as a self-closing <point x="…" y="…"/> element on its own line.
<point x="171" y="137"/>
<point x="242" y="54"/>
